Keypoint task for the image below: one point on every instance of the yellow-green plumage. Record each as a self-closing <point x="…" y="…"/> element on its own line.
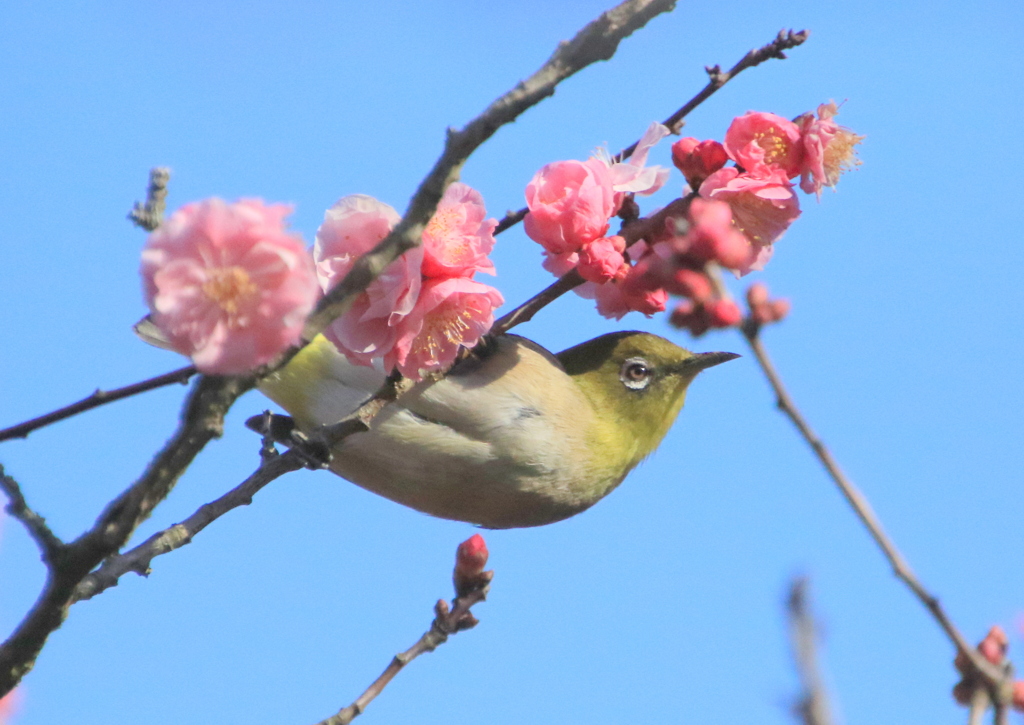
<point x="516" y="437"/>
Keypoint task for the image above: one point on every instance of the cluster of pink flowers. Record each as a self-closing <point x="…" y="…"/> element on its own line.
<point x="230" y="287"/>
<point x="570" y="206"/>
<point x="227" y="284"/>
<point x="993" y="648"/>
<point x="425" y="305"/>
<point x="740" y="213"/>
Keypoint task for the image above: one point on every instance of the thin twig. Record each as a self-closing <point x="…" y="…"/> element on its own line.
<point x="812" y="706"/>
<point x="1001" y="715"/>
<point x="98" y="398"/>
<point x="993" y="677"/>
<point x="150" y="215"/>
<point x="446" y="622"/>
<point x="49" y="544"/>
<point x="784" y="41"/>
<point x="139" y="558"/>
<point x="526" y="311"/>
<point x="980" y="702"/>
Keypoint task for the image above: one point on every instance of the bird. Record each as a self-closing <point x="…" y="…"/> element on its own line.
<point x="513" y="436"/>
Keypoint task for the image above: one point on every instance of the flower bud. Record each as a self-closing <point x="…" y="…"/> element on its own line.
<point x="698" y="159"/>
<point x="470" y="560"/>
<point x="601" y="259"/>
<point x="724" y="313"/>
<point x="471" y="556"/>
<point x="994" y="646"/>
<point x="1018" y="695"/>
<point x="757" y="294"/>
<point x="689" y="283"/>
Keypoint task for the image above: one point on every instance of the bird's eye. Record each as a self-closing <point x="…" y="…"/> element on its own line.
<point x="636" y="373"/>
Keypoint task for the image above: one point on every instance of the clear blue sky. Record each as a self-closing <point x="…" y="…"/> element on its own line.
<point x="661" y="604"/>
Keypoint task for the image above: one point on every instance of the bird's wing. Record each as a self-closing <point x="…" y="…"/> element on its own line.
<point x="320" y="386"/>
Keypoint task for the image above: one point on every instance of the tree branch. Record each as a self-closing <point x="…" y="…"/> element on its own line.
<point x="150" y="215"/>
<point x="995" y="680"/>
<point x="446" y="622"/>
<point x="98" y="398"/>
<point x="202" y="421"/>
<point x="164" y="542"/>
<point x="48" y="543"/>
<point x="812" y="707"/>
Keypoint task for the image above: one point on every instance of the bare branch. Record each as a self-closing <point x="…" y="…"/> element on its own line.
<point x="202" y="421"/>
<point x="48" y="543"/>
<point x="150" y="215"/>
<point x="446" y="622"/>
<point x="526" y="311"/>
<point x="785" y="40"/>
<point x="993" y="677"/>
<point x="98" y="398"/>
<point x="812" y="707"/>
<point x="139" y="559"/>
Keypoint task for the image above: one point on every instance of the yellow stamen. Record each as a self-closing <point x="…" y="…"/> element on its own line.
<point x="229" y="287"/>
<point x="840" y="155"/>
<point x="775" y="145"/>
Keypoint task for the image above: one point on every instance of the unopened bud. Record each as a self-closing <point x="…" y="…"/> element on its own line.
<point x="698" y="159"/>
<point x="724" y="313"/>
<point x="757" y="294"/>
<point x="689" y="283"/>
<point x="994" y="646"/>
<point x="471" y="556"/>
<point x="1018" y="695"/>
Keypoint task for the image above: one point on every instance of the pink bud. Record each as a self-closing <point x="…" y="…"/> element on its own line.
<point x="1018" y="695"/>
<point x="780" y="309"/>
<point x="698" y="159"/>
<point x="689" y="283"/>
<point x="471" y="556"/>
<point x="601" y="259"/>
<point x="690" y="316"/>
<point x="757" y="294"/>
<point x="994" y="646"/>
<point x="724" y="313"/>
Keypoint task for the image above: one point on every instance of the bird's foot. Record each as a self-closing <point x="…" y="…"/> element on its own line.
<point x="314" y="450"/>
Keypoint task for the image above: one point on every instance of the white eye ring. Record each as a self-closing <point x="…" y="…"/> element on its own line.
<point x="636" y="373"/>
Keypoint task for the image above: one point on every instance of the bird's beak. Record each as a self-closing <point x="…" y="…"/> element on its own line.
<point x="704" y="360"/>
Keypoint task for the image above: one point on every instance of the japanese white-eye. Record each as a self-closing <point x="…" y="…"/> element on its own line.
<point x="512" y="436"/>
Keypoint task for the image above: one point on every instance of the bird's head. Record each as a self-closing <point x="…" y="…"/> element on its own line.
<point x="637" y="383"/>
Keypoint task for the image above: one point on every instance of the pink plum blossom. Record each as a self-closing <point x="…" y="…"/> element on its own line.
<point x="227" y="284"/>
<point x="601" y="259"/>
<point x="459" y="237"/>
<point x="570" y="204"/>
<point x="632" y="175"/>
<point x="698" y="159"/>
<point x="755" y="139"/>
<point x="370" y="327"/>
<point x="763" y="206"/>
<point x="829" y="149"/>
<point x="449" y="313"/>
